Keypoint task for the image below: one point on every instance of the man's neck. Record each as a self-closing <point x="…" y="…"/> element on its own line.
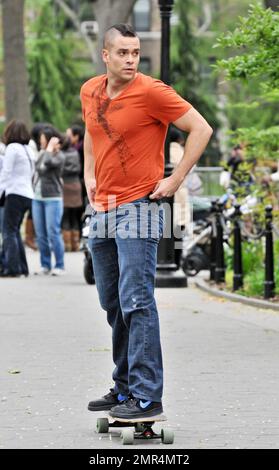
<point x="115" y="86"/>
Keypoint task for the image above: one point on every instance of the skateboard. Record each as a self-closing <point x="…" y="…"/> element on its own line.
<point x="142" y="428"/>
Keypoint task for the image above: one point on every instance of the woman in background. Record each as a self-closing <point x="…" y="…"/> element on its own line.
<point x="72" y="197"/>
<point x="47" y="207"/>
<point x="35" y="146"/>
<point x="2" y="201"/>
<point x="16" y="181"/>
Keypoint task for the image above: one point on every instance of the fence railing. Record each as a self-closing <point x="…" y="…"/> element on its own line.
<point x="210" y="176"/>
<point x="219" y="226"/>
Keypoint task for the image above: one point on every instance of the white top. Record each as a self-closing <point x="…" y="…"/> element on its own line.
<point x="17" y="171"/>
<point x="32" y="144"/>
<point x="2" y="149"/>
<point x="181" y="208"/>
<point x="275" y="176"/>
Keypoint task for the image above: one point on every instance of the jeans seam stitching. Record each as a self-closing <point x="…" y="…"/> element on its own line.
<point x="144" y="317"/>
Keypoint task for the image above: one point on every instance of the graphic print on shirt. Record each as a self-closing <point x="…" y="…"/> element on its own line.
<point x="122" y="147"/>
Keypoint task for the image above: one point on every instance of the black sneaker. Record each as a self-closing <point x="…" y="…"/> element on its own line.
<point x="107" y="401"/>
<point x="134" y="408"/>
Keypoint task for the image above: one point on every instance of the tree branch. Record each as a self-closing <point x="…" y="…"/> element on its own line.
<point x="207" y="19"/>
<point x="74" y="18"/>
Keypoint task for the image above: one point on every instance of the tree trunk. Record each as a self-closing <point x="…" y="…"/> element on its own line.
<point x="15" y="73"/>
<point x="273" y="4"/>
<point x="107" y="13"/>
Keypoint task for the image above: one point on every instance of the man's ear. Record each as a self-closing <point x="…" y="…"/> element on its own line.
<point x="105" y="55"/>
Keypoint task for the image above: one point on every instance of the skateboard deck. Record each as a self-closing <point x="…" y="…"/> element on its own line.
<point x="150" y="419"/>
<point x="142" y="428"/>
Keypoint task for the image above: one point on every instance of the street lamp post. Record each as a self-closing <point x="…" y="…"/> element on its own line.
<point x="168" y="273"/>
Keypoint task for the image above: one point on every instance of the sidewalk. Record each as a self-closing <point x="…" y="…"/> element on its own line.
<point x="220" y="358"/>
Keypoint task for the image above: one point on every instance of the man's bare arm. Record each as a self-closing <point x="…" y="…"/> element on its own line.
<point x="89" y="170"/>
<point x="199" y="134"/>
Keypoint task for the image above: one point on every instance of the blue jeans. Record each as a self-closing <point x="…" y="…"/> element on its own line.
<point x="47" y="216"/>
<point x="1" y="219"/>
<point x="14" y="258"/>
<point x="123" y="244"/>
<point x="1" y="236"/>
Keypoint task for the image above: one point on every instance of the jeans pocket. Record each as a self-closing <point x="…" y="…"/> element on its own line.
<point x="98" y="225"/>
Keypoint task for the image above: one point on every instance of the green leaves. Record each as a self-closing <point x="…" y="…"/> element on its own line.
<point x="188" y="67"/>
<point x="262" y="143"/>
<point x="54" y="75"/>
<point x="255" y="47"/>
<point x="254" y="52"/>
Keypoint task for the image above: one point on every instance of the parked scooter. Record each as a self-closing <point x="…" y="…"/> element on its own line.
<point x="196" y="244"/>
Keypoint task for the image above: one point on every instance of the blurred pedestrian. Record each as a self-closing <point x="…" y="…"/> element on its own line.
<point x="76" y="135"/>
<point x="238" y="173"/>
<point x="47" y="207"/>
<point x="194" y="183"/>
<point x="273" y="177"/>
<point x="181" y="212"/>
<point x="2" y="201"/>
<point x="236" y="158"/>
<point x="16" y="180"/>
<point x="29" y="226"/>
<point x="72" y="196"/>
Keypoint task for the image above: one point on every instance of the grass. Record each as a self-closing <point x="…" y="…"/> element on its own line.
<point x="253" y="283"/>
<point x="253" y="269"/>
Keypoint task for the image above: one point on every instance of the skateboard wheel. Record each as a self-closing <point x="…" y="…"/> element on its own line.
<point x="127" y="437"/>
<point x="167" y="436"/>
<point x="102" y="425"/>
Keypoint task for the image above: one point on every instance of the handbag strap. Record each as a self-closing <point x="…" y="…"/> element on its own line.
<point x="30" y="161"/>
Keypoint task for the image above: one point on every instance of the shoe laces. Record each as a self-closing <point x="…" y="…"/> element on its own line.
<point x="131" y="401"/>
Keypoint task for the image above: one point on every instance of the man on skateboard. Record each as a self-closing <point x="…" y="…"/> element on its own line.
<point x="127" y="114"/>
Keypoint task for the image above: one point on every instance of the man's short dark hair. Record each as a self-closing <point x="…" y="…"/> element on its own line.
<point x="124" y="29"/>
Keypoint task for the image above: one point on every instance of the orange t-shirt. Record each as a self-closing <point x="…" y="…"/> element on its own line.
<point x="128" y="134"/>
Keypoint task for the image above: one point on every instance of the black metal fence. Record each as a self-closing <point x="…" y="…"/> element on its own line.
<point x="224" y="226"/>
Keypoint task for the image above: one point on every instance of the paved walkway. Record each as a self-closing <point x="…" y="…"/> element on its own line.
<point x="221" y="366"/>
